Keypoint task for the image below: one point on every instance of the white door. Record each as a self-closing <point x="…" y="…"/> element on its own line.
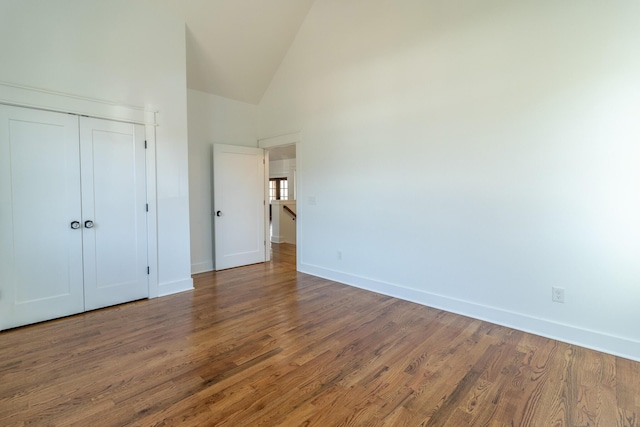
<point x="40" y="251"/>
<point x="239" y="205"/>
<point x="113" y="212"/>
<point x="72" y="215"/>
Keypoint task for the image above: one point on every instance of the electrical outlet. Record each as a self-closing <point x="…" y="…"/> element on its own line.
<point x="557" y="294"/>
<point x="339" y="254"/>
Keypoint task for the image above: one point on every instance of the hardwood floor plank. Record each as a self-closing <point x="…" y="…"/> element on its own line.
<point x="264" y="345"/>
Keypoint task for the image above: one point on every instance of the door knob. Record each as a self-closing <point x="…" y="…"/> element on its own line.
<point x="75" y="225"/>
<point x="88" y="224"/>
<point x="219" y="213"/>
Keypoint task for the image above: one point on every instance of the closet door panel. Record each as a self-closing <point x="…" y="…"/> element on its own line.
<point x="40" y="254"/>
<point x="114" y="200"/>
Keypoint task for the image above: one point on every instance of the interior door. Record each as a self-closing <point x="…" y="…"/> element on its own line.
<point x="239" y="206"/>
<point x="113" y="212"/>
<point x="40" y="249"/>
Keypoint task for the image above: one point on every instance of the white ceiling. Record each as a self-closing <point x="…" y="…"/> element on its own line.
<point x="234" y="47"/>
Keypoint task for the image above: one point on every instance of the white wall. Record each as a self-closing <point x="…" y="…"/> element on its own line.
<point x="212" y="120"/>
<point x="471" y="155"/>
<point x="283" y="226"/>
<point x="119" y="51"/>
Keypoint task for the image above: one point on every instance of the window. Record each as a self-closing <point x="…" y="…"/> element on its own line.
<point x="278" y="189"/>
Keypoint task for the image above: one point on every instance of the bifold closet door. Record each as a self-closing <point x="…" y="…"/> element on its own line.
<point x="40" y="251"/>
<point x="114" y="201"/>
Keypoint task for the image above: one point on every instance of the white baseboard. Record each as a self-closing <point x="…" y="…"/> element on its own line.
<point x="201" y="267"/>
<point x="594" y="340"/>
<point x="175" y="287"/>
<point x="277" y="239"/>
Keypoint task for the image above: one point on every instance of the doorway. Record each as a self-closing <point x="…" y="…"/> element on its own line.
<point x="282" y="194"/>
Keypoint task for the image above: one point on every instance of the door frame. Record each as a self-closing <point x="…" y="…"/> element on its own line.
<point x="59" y="102"/>
<point x="290" y="138"/>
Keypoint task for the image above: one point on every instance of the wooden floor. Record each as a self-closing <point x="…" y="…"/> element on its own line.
<point x="266" y="346"/>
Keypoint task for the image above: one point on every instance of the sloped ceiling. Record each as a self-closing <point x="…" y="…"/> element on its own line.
<point x="234" y="47"/>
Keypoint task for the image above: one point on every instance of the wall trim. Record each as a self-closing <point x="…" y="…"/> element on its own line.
<point x="617" y="346"/>
<point x="175" y="287"/>
<point x="201" y="267"/>
<point x="152" y="214"/>
<point x="277" y="239"/>
<point x="278" y="140"/>
<point x="49" y="100"/>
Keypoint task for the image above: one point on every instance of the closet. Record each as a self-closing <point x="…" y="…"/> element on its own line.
<point x="73" y="233"/>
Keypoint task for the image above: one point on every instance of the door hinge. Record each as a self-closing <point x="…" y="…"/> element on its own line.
<point x="145" y="144"/>
<point x="148" y="271"/>
<point x="147" y="207"/>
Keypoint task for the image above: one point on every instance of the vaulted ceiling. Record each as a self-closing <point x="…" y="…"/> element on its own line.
<point x="234" y="47"/>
